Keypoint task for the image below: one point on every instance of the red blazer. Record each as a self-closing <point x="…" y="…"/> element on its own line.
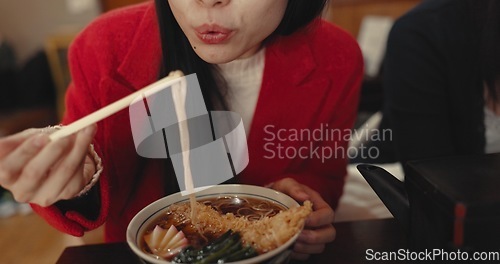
<point x="311" y="81"/>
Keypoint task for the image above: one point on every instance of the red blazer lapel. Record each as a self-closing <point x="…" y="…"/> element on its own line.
<point x="292" y="93"/>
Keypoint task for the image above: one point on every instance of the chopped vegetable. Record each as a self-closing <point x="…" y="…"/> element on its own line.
<point x="166" y="243"/>
<point x="226" y="248"/>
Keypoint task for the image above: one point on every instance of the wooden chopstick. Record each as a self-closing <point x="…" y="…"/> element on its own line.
<point x="108" y="110"/>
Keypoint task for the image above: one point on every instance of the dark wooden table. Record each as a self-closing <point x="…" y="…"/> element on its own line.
<point x="353" y="239"/>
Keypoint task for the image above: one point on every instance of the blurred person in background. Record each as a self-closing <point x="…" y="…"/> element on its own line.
<point x="441" y="79"/>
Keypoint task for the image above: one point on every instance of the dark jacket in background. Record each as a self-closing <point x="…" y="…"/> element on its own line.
<point x="434" y="94"/>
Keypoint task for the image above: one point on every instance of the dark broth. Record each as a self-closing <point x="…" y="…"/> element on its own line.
<point x="241" y="206"/>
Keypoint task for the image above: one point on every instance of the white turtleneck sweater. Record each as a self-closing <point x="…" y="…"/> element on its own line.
<point x="244" y="79"/>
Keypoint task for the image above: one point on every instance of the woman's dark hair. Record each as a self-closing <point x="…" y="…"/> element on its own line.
<point x="179" y="55"/>
<point x="486" y="15"/>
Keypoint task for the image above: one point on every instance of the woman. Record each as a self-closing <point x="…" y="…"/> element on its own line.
<point x="441" y="79"/>
<point x="269" y="60"/>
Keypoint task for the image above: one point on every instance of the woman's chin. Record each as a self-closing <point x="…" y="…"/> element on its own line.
<point x="219" y="54"/>
<point x="214" y="57"/>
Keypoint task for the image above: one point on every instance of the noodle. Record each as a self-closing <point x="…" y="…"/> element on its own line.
<point x="179" y="95"/>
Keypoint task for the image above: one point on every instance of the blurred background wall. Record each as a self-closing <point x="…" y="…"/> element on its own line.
<point x="25" y="24"/>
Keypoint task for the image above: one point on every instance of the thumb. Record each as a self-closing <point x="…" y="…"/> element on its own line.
<point x="292" y="188"/>
<point x="299" y="195"/>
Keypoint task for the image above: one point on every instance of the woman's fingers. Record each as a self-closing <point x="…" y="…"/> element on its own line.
<point x="71" y="175"/>
<point x="312" y="242"/>
<point x="320" y="217"/>
<point x="59" y="187"/>
<point x="305" y="248"/>
<point x="47" y="159"/>
<point x="64" y="186"/>
<point x="291" y="187"/>
<point x="53" y="171"/>
<point x="78" y="182"/>
<point x="36" y="171"/>
<point x="321" y="235"/>
<point x="12" y="164"/>
<point x="323" y="214"/>
<point x="9" y="143"/>
<point x="319" y="229"/>
<point x="74" y="159"/>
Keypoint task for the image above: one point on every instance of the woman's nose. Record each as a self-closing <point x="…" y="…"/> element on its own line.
<point x="214" y="3"/>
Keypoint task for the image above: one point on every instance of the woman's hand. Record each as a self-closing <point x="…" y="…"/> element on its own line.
<point x="318" y="227"/>
<point x="37" y="170"/>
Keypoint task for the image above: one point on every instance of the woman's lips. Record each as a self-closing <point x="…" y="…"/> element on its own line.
<point x="213" y="34"/>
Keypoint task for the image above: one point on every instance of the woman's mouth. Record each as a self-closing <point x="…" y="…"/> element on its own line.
<point x="213" y="34"/>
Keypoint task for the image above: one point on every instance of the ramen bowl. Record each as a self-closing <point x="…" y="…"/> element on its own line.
<point x="147" y="217"/>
